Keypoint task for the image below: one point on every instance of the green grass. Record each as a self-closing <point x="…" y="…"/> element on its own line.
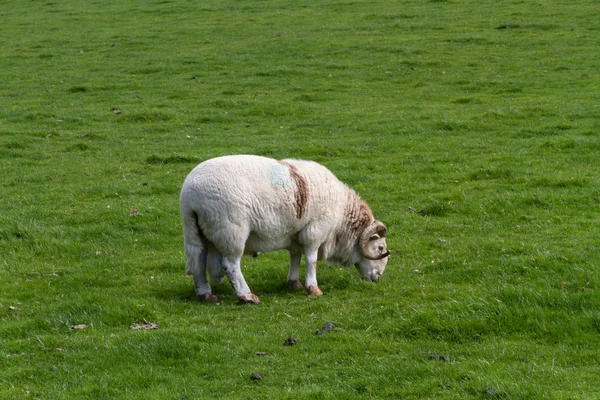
<point x="470" y="128"/>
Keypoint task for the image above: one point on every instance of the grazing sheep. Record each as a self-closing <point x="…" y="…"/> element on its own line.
<point x="245" y="204"/>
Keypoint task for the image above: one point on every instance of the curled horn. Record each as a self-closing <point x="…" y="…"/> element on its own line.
<point x="379" y="257"/>
<point x="374" y="231"/>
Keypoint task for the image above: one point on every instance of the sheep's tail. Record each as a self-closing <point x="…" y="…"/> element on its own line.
<point x="195" y="251"/>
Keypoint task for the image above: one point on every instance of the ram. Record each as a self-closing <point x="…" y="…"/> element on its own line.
<point x="246" y="204"/>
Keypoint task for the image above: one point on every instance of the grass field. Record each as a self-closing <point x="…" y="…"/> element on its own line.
<point x="471" y="128"/>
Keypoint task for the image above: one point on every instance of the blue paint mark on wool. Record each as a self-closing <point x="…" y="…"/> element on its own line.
<point x="279" y="176"/>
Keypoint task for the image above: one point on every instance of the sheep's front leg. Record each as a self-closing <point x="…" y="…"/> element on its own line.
<point x="311" y="287"/>
<point x="231" y="265"/>
<point x="293" y="279"/>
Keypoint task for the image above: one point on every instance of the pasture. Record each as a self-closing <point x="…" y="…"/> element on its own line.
<point x="471" y="128"/>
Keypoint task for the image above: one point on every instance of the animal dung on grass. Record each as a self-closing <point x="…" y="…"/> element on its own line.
<point x="255" y="376"/>
<point x="439" y="357"/>
<point x="144" y="325"/>
<point x="245" y="204"/>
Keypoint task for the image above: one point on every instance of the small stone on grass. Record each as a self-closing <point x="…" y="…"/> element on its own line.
<point x="327" y="326"/>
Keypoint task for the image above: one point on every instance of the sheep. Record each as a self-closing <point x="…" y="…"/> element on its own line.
<point x="247" y="204"/>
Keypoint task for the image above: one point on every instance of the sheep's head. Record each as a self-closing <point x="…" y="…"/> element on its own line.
<point x="373" y="252"/>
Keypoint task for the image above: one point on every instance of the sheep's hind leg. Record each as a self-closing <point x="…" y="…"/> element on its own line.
<point x="231" y="265"/>
<point x="201" y="293"/>
<point x="214" y="265"/>
<point x="196" y="266"/>
<point x="293" y="279"/>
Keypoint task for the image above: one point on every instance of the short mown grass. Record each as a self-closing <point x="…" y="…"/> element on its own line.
<point x="470" y="128"/>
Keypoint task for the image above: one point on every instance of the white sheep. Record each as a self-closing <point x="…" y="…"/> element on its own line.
<point x="245" y="204"/>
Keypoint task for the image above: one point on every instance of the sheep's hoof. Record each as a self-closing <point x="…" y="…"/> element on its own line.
<point x="313" y="291"/>
<point x="295" y="284"/>
<point x="207" y="297"/>
<point x="249" y="299"/>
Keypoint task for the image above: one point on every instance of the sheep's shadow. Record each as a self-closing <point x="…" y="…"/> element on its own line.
<point x="266" y="277"/>
<point x="271" y="285"/>
<point x="184" y="292"/>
